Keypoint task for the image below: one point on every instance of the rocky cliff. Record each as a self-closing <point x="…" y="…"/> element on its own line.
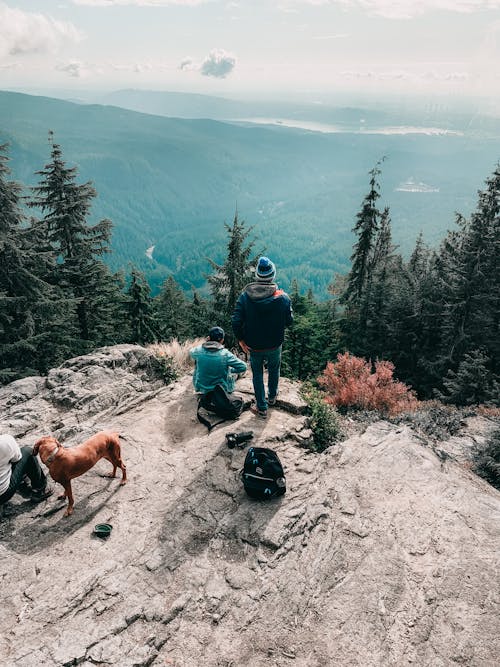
<point x="381" y="553"/>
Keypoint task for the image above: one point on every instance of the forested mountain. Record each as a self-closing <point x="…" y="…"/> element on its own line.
<point x="172" y="183"/>
<point x="433" y="318"/>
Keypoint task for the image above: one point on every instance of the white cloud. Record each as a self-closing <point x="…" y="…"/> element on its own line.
<point x="187" y="64"/>
<point x="136" y="68"/>
<point x="8" y="66"/>
<point x="25" y="32"/>
<point x="407" y="9"/>
<point x="138" y="3"/>
<point x="218" y="64"/>
<point x="404" y="75"/>
<point x="337" y="36"/>
<point x="74" y="69"/>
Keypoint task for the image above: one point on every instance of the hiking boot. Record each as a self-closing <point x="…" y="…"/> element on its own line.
<point x="25" y="487"/>
<point x="272" y="401"/>
<point x="260" y="413"/>
<point x="41" y="494"/>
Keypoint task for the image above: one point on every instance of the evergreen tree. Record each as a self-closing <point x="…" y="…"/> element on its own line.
<point x="383" y="273"/>
<point x="229" y="278"/>
<point x="472" y="317"/>
<point x="29" y="306"/>
<point x="469" y="283"/>
<point x="365" y="229"/>
<point x="364" y="259"/>
<point x="420" y="338"/>
<point x="311" y="341"/>
<point x="473" y="382"/>
<point x="142" y="322"/>
<point x="77" y="246"/>
<point x="172" y="311"/>
<point x="109" y="317"/>
<point x="199" y="314"/>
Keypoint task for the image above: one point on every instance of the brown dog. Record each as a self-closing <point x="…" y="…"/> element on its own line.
<point x="65" y="463"/>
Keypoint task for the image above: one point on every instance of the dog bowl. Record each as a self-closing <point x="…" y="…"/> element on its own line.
<point x="103" y="530"/>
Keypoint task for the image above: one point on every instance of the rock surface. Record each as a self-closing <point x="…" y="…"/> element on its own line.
<point x="381" y="552"/>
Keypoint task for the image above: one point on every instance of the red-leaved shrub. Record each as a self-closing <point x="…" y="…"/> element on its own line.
<point x="350" y="382"/>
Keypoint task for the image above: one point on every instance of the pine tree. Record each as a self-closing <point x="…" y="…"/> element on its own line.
<point x="420" y="336"/>
<point x="77" y="247"/>
<point x="311" y="341"/>
<point x="142" y="321"/>
<point x="365" y="229"/>
<point x="229" y="278"/>
<point x="171" y="311"/>
<point x="358" y="292"/>
<point x="29" y="306"/>
<point x="473" y="383"/>
<point x="470" y="256"/>
<point x="199" y="314"/>
<point x="384" y="268"/>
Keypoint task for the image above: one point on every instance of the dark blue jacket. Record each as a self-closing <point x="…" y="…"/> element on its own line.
<point x="260" y="316"/>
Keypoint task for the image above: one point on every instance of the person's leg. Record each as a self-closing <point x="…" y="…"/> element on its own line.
<point x="27" y="465"/>
<point x="257" y="364"/>
<point x="273" y="369"/>
<point x="35" y="473"/>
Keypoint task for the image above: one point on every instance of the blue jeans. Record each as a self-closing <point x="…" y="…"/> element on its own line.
<point x="257" y="359"/>
<point x="27" y="465"/>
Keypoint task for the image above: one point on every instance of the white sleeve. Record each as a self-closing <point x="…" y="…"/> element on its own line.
<point x="15" y="449"/>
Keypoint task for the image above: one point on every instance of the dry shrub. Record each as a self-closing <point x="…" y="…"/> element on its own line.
<point x="488" y="411"/>
<point x="487" y="461"/>
<point x="433" y="419"/>
<point x="349" y="382"/>
<point x="177" y="352"/>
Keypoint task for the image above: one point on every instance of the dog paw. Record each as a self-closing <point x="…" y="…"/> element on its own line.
<point x="68" y="512"/>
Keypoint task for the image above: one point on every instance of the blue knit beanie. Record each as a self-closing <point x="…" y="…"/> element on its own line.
<point x="265" y="271"/>
<point x="216" y="333"/>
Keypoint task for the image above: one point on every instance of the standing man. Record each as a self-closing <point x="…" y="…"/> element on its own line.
<point x="215" y="364"/>
<point x="259" y="320"/>
<point x="16" y="463"/>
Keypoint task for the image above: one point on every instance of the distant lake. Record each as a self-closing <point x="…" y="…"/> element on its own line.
<point x="360" y="128"/>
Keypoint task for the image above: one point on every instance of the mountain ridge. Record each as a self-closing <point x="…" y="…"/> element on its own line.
<point x="164" y="181"/>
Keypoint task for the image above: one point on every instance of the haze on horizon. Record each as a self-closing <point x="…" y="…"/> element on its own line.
<point x="312" y="49"/>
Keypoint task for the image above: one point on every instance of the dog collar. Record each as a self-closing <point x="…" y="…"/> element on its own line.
<point x="52" y="455"/>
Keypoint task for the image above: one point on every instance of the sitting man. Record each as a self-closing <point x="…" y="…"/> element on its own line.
<point x="16" y="463"/>
<point x="215" y="364"/>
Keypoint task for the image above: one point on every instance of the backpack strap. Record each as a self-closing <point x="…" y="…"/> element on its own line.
<point x="205" y="421"/>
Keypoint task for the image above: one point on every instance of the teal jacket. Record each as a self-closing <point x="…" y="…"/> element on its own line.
<point x="215" y="365"/>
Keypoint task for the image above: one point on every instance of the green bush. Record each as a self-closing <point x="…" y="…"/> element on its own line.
<point x="323" y="419"/>
<point x="166" y="369"/>
<point x="433" y="419"/>
<point x="487" y="461"/>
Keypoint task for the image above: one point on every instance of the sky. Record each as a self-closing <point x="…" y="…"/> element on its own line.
<point x="254" y="47"/>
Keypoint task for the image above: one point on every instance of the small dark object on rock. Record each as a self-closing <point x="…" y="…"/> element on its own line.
<point x="103" y="530"/>
<point x="238" y="439"/>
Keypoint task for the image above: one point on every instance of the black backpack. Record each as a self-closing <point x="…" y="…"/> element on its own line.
<point x="221" y="403"/>
<point x="263" y="475"/>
